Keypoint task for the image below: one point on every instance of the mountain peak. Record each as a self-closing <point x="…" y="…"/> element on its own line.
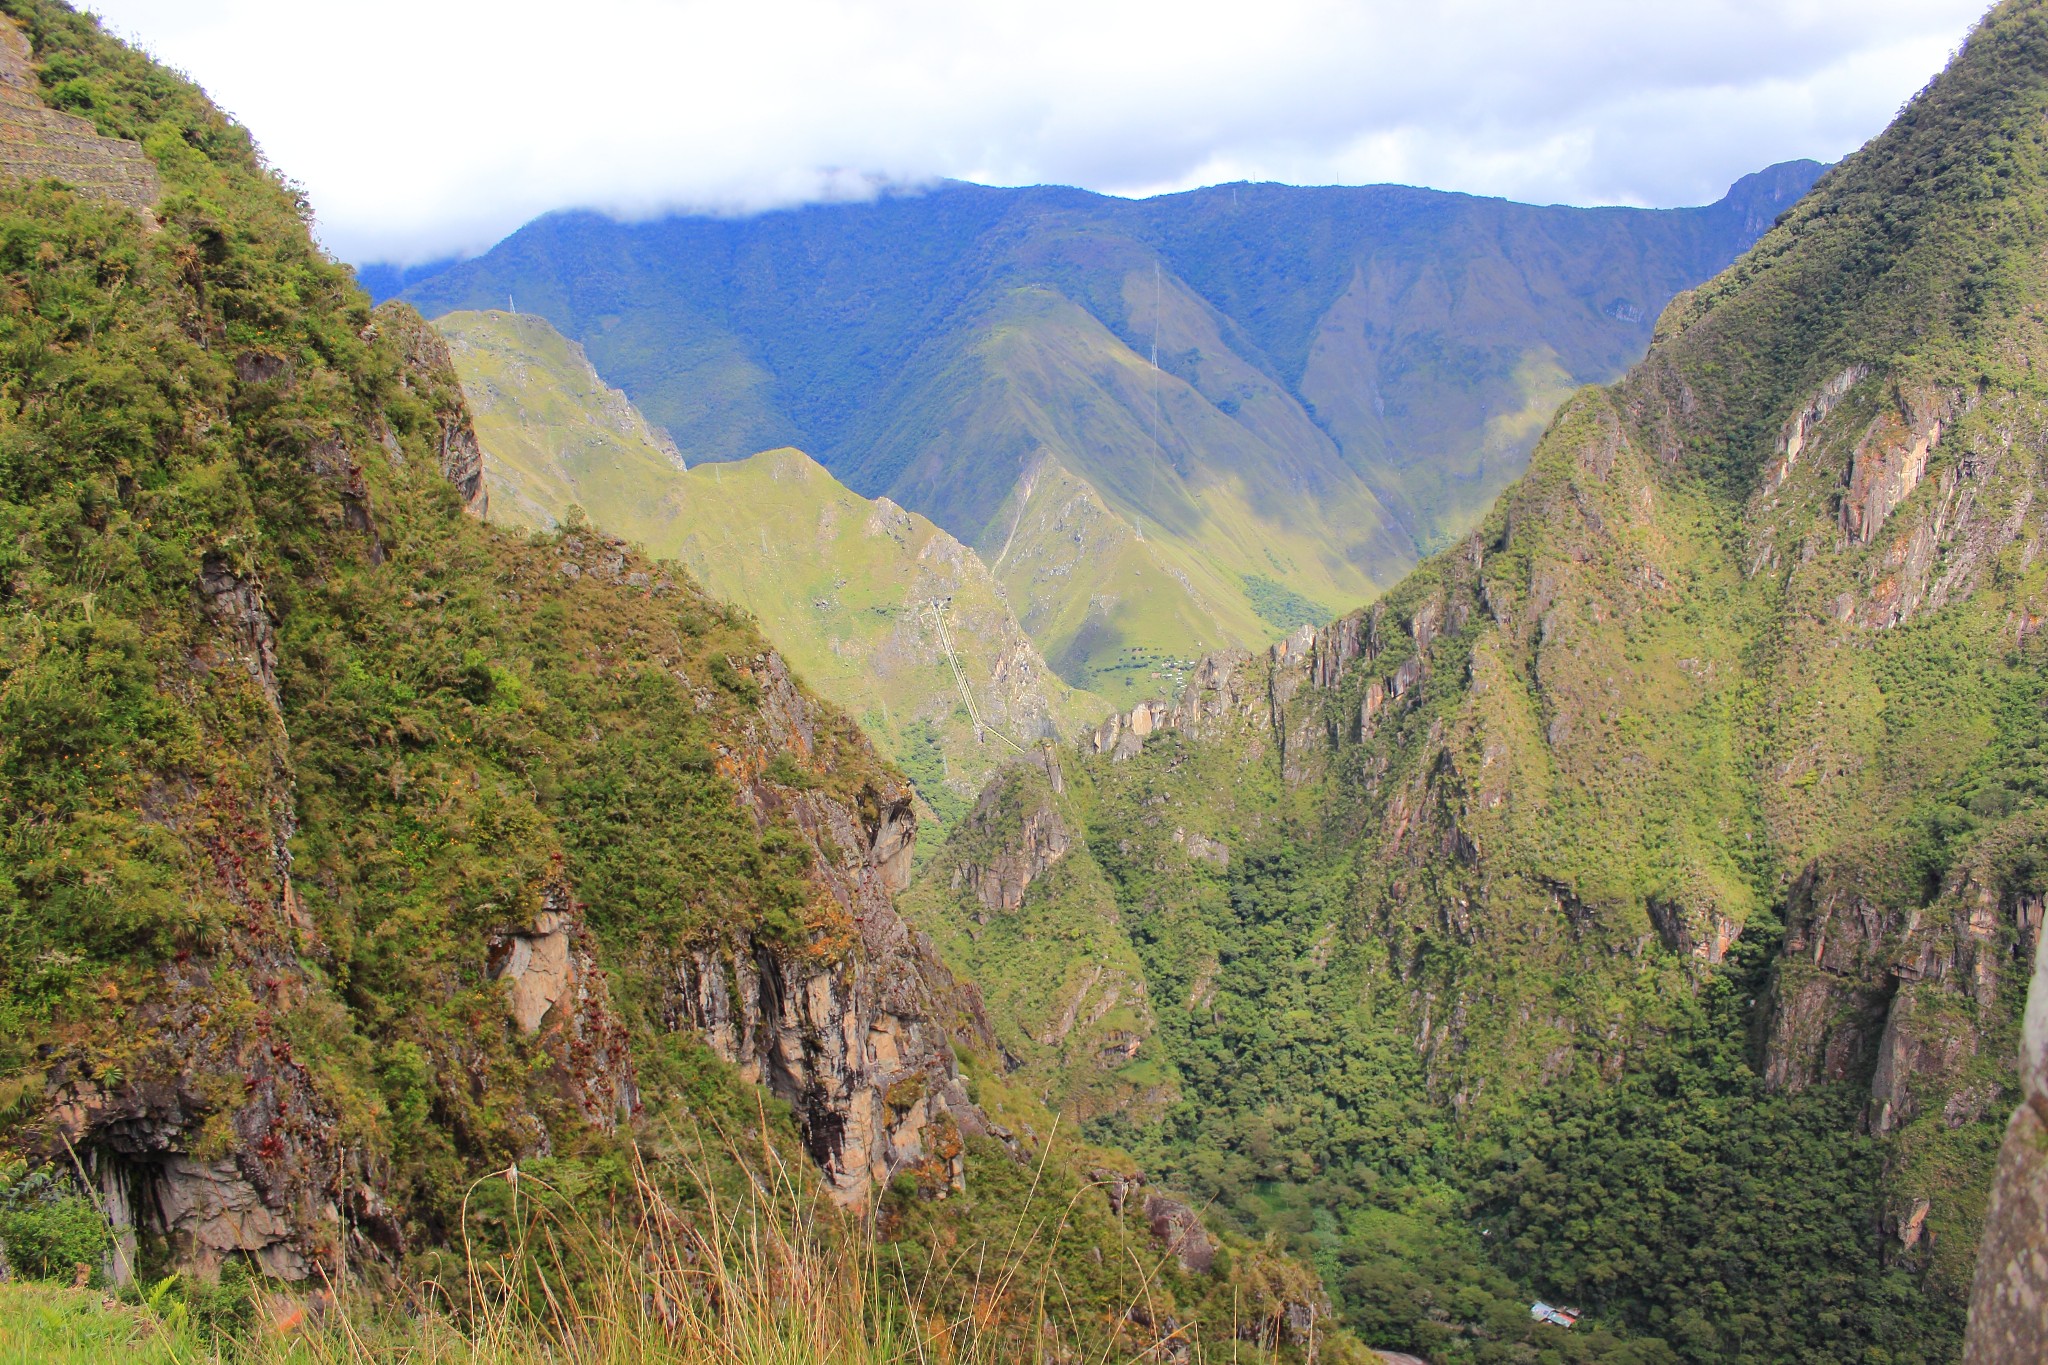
<point x="1759" y="197"/>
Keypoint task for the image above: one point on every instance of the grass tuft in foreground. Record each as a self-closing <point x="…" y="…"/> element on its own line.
<point x="683" y="1264"/>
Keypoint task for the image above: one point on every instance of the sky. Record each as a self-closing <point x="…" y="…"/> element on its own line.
<point x="424" y="128"/>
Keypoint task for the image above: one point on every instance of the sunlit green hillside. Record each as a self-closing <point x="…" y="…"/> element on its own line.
<point x="884" y="613"/>
<point x="1147" y="525"/>
<point x="1291" y="394"/>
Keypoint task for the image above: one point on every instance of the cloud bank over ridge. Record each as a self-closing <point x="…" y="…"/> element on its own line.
<point x="435" y="126"/>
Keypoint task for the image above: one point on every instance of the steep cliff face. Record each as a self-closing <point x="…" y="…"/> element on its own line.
<point x="853" y="1032"/>
<point x="355" y="848"/>
<point x="430" y="367"/>
<point x="2009" y="1300"/>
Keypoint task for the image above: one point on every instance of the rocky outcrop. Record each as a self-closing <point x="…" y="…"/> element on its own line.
<point x="1021" y="846"/>
<point x="1950" y="971"/>
<point x="1214" y="852"/>
<point x="1890" y="460"/>
<point x="558" y="997"/>
<point x="1278" y="700"/>
<point x="1227" y="693"/>
<point x="858" y="1048"/>
<point x="890" y="824"/>
<point x="430" y="371"/>
<point x="1871" y="984"/>
<point x="1122" y="736"/>
<point x="1943" y="547"/>
<point x="1828" y="995"/>
<point x="1179" y="1229"/>
<point x="1284" y="1305"/>
<point x="336" y="465"/>
<point x="1692" y="929"/>
<point x="264" y="377"/>
<point x="537" y="966"/>
<point x="1803" y="424"/>
<point x="276" y="1191"/>
<point x="1118" y="1187"/>
<point x="211" y="1212"/>
<point x="235" y="603"/>
<point x="853" y="1028"/>
<point x="2009" y="1299"/>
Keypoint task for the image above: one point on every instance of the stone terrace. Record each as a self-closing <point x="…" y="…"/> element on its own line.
<point x="39" y="143"/>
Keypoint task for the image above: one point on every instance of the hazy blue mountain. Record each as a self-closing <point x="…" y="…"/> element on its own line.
<point x="1344" y="376"/>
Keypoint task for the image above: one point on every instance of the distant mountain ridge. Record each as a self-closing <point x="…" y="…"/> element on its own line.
<point x="1344" y="376"/>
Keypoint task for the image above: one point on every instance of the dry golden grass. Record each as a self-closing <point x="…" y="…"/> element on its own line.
<point x="758" y="1270"/>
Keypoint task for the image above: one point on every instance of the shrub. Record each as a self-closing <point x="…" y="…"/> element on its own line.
<point x="48" y="1229"/>
<point x="785" y="771"/>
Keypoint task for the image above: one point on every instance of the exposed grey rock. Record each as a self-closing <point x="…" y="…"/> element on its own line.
<point x="854" y="1036"/>
<point x="2009" y="1299"/>
<point x="210" y="1212"/>
<point x="555" y="989"/>
<point x="858" y="1049"/>
<point x="429" y="366"/>
<point x="236" y="603"/>
<point x="1799" y="429"/>
<point x="1041" y="840"/>
<point x="892" y="839"/>
<point x="1210" y="851"/>
<point x="1179" y="1229"/>
<point x="1117" y="1186"/>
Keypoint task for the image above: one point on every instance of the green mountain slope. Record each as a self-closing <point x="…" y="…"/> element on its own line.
<point x="1017" y="896"/>
<point x="846" y="586"/>
<point x="352" y="846"/>
<point x="387" y="896"/>
<point x="553" y="433"/>
<point x="1145" y="519"/>
<point x="1633" y="907"/>
<point x="1343" y="377"/>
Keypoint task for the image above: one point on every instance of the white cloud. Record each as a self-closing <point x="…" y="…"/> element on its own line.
<point x="426" y="126"/>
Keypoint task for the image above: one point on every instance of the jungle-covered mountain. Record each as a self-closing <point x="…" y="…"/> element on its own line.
<point x="1630" y="907"/>
<point x="1167" y="426"/>
<point x="371" y="875"/>
<point x="1634" y="906"/>
<point x="886" y="615"/>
